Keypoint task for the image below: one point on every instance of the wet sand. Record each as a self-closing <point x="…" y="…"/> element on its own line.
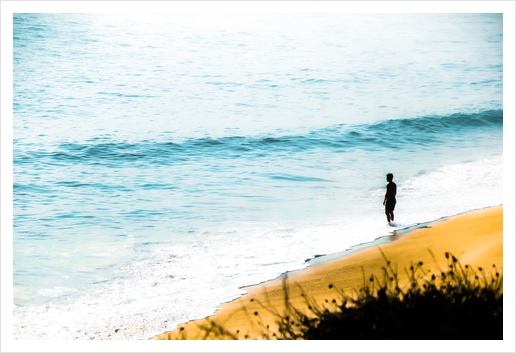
<point x="475" y="238"/>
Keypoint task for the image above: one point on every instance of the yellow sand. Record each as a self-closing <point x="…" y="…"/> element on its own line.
<point x="475" y="238"/>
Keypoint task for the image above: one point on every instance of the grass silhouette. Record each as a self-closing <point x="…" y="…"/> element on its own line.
<point x="459" y="303"/>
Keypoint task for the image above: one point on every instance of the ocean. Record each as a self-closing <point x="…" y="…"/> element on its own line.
<point x="161" y="163"/>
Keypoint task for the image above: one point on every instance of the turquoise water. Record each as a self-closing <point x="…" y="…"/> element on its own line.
<point x="163" y="162"/>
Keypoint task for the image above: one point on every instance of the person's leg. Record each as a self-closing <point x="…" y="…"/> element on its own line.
<point x="389" y="209"/>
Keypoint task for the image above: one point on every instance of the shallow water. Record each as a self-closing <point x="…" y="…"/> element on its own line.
<point x="161" y="163"/>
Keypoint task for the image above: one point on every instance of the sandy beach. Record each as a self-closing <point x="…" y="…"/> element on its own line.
<point x="475" y="238"/>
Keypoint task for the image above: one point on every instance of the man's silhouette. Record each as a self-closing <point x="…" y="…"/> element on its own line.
<point x="390" y="198"/>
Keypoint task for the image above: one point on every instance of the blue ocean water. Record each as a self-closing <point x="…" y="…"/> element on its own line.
<point x="162" y="162"/>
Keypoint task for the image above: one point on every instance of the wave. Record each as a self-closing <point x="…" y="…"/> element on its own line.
<point x="387" y="134"/>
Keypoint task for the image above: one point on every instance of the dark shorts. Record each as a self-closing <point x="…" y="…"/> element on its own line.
<point x="390" y="204"/>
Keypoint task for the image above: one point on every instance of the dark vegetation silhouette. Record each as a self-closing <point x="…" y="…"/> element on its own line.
<point x="459" y="303"/>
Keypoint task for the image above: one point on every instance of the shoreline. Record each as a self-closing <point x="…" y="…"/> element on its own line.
<point x="474" y="237"/>
<point x="381" y="240"/>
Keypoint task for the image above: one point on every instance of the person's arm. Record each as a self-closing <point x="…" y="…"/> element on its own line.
<point x="386" y="193"/>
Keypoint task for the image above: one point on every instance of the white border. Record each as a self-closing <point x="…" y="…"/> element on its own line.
<point x="509" y="151"/>
<point x="256" y="6"/>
